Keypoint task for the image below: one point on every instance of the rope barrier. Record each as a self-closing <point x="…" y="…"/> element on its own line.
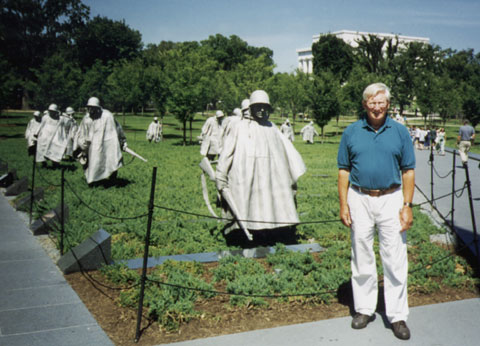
<point x="438" y="174"/>
<point x="274" y="296"/>
<point x="235" y="220"/>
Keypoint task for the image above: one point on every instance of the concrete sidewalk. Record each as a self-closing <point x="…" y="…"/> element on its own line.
<point x="37" y="305"/>
<point x="447" y="324"/>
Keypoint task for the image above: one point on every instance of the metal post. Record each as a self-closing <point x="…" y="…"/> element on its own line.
<point x="33" y="184"/>
<point x="472" y="213"/>
<point x="145" y="254"/>
<point x="453" y="190"/>
<point x="431" y="174"/>
<point x="62" y="212"/>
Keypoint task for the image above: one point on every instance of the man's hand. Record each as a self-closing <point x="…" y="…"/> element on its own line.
<point x="406" y="218"/>
<point x="345" y="215"/>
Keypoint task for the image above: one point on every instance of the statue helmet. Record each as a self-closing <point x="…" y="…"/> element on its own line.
<point x="36" y="114"/>
<point x="237" y="112"/>
<point x="219" y="114"/>
<point x="245" y="104"/>
<point x="259" y="96"/>
<point x="93" y="102"/>
<point x="53" y="107"/>
<point x="69" y="110"/>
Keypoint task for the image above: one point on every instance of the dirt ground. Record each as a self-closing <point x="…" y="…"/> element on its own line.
<point x="219" y="317"/>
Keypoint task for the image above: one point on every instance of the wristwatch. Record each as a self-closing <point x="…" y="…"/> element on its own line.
<point x="408" y="204"/>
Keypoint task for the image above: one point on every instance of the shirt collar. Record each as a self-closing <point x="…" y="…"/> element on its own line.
<point x="386" y="124"/>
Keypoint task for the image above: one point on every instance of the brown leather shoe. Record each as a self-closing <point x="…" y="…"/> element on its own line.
<point x="360" y="321"/>
<point x="401" y="330"/>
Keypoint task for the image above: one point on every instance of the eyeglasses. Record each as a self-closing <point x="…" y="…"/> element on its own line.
<point x="374" y="104"/>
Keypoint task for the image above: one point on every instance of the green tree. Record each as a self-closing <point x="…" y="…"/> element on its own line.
<point x="56" y="81"/>
<point x="448" y="99"/>
<point x="7" y="85"/>
<point x="94" y="83"/>
<point x="289" y="92"/>
<point x="332" y="54"/>
<point x="370" y="52"/>
<point x="108" y="41"/>
<point x="33" y="30"/>
<point x="323" y="99"/>
<point x="232" y="51"/>
<point x="471" y="105"/>
<point x="189" y="75"/>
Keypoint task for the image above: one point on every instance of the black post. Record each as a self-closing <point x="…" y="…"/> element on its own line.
<point x="472" y="213"/>
<point x="145" y="254"/>
<point x="453" y="189"/>
<point x="33" y="183"/>
<point x="431" y="174"/>
<point x="62" y="212"/>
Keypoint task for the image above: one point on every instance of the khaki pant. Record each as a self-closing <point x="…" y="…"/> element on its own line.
<point x="366" y="212"/>
<point x="463" y="148"/>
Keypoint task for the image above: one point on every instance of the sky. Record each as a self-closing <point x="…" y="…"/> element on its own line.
<point x="287" y="25"/>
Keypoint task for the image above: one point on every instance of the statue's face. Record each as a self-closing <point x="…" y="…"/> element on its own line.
<point x="95" y="112"/>
<point x="53" y="114"/>
<point x="260" y="111"/>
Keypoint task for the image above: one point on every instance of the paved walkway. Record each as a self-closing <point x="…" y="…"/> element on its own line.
<point x="38" y="307"/>
<point x="442" y="186"/>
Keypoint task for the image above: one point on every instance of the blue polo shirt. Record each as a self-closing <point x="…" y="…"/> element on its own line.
<point x="375" y="159"/>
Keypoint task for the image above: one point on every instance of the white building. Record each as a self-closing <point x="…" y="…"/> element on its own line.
<point x="305" y="56"/>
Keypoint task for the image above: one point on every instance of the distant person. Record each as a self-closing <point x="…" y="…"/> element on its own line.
<point x="100" y="141"/>
<point x="211" y="136"/>
<point x="416" y="142"/>
<point x="51" y="137"/>
<point x="154" y="131"/>
<point x="31" y="132"/>
<point x="376" y="182"/>
<point x="308" y="133"/>
<point x="287" y="130"/>
<point x="256" y="175"/>
<point x="466" y="136"/>
<point x="421" y="139"/>
<point x="440" y="140"/>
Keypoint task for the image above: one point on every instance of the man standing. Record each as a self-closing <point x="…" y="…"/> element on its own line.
<point x="100" y="140"/>
<point x="376" y="181"/>
<point x="466" y="136"/>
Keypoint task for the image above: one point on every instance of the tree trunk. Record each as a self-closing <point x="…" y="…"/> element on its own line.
<point x="184" y="132"/>
<point x="191" y="121"/>
<point x="25" y="99"/>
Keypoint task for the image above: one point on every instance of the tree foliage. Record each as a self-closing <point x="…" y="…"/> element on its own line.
<point x="332" y="54"/>
<point x="323" y="99"/>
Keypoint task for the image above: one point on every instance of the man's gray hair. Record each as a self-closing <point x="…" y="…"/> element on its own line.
<point x="374" y="89"/>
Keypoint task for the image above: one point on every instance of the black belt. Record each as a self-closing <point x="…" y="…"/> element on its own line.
<point x="376" y="193"/>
